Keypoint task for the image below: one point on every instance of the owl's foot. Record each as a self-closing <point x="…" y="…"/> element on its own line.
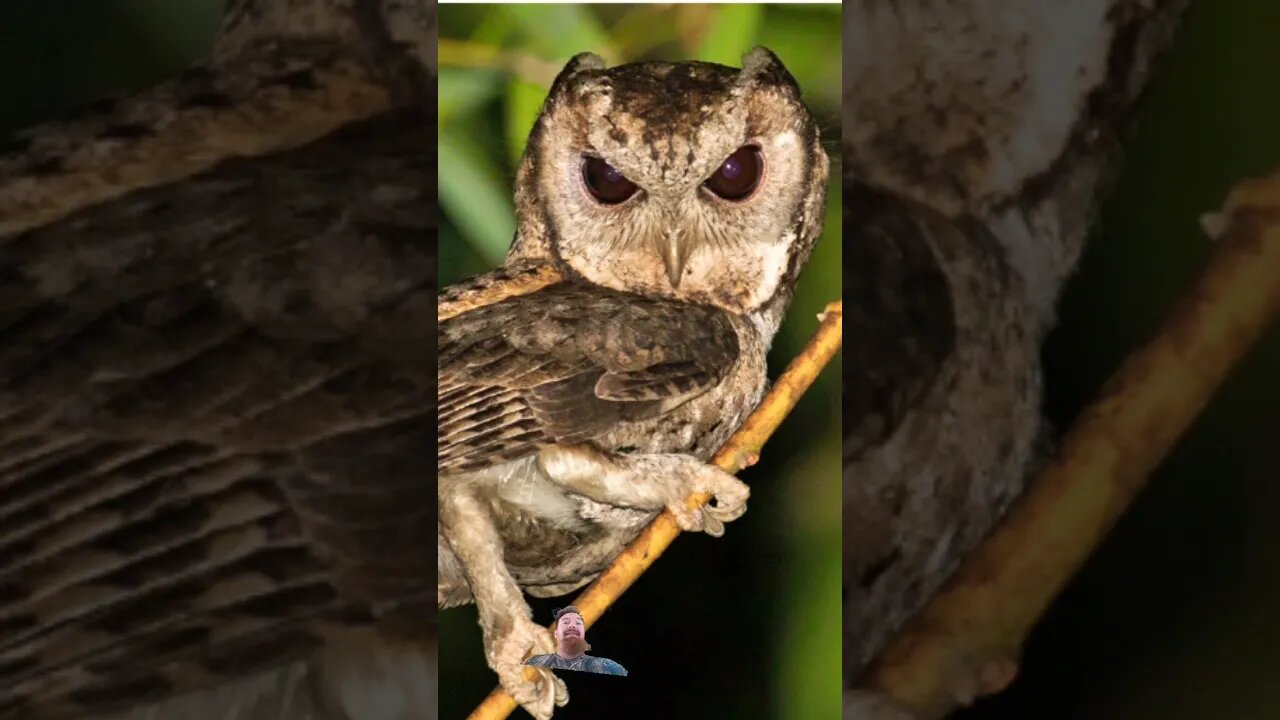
<point x="651" y="482"/>
<point x="506" y="654"/>
<point x="729" y="502"/>
<point x="510" y="635"/>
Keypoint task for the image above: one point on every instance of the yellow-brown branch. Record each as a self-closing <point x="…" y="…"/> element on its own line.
<point x="969" y="636"/>
<point x="740" y="450"/>
<point x="464" y="54"/>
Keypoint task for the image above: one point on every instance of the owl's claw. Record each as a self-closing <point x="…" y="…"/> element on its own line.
<point x="729" y="502"/>
<point x="506" y="656"/>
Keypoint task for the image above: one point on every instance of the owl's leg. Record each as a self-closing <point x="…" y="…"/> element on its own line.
<point x="510" y="635"/>
<point x="648" y="482"/>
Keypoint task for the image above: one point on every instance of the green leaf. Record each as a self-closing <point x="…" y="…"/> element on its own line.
<point x="809" y="44"/>
<point x="558" y="32"/>
<point x="524" y="102"/>
<point x="806" y="651"/>
<point x="495" y="27"/>
<point x="461" y="91"/>
<point x="643" y="28"/>
<point x="457" y="259"/>
<point x="732" y="34"/>
<point x="474" y="194"/>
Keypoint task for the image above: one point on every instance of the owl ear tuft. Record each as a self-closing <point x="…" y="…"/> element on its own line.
<point x="582" y="62"/>
<point x="761" y="66"/>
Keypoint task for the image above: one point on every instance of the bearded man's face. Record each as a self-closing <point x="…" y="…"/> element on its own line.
<point x="571" y="634"/>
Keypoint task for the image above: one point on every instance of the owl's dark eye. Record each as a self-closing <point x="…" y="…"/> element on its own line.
<point x="605" y="182"/>
<point x="739" y="176"/>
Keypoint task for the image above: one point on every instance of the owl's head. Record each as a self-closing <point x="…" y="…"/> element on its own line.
<point x="689" y="180"/>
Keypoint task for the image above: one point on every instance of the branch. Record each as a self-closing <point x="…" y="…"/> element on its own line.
<point x="283" y="74"/>
<point x="966" y="640"/>
<point x="177" y="129"/>
<point x="526" y="66"/>
<point x="741" y="450"/>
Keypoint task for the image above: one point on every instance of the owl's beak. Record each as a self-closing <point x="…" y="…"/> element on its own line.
<point x="674" y="256"/>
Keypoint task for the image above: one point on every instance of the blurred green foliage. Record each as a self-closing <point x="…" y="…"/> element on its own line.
<point x="763" y="602"/>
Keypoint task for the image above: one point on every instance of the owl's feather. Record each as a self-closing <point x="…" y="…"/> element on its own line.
<point x="566" y="364"/>
<point x="213" y="403"/>
<point x="892" y="281"/>
<point x="976" y="139"/>
<point x="571" y="414"/>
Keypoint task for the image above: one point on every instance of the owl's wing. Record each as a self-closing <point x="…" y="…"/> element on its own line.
<point x="565" y="364"/>
<point x="892" y="282"/>
<point x="214" y="415"/>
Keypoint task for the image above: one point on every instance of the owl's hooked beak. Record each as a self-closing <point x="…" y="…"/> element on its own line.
<point x="674" y="255"/>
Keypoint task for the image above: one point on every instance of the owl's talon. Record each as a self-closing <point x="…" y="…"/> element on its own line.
<point x="688" y="520"/>
<point x="726" y="513"/>
<point x="729" y="502"/>
<point x="506" y="657"/>
<point x="711" y="525"/>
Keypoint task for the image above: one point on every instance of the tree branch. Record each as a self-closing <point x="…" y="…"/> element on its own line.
<point x="283" y="74"/>
<point x="526" y="66"/>
<point x="966" y="640"/>
<point x="177" y="130"/>
<point x="741" y="450"/>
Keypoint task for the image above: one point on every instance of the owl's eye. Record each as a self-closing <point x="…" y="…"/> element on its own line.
<point x="739" y="176"/>
<point x="605" y="182"/>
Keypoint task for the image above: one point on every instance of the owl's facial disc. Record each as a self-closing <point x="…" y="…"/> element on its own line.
<point x="736" y="180"/>
<point x="686" y="180"/>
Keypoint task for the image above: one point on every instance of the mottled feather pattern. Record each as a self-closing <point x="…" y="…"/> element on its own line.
<point x="213" y="413"/>
<point x="976" y="138"/>
<point x="584" y="386"/>
<point x="565" y="364"/>
<point x="892" y="281"/>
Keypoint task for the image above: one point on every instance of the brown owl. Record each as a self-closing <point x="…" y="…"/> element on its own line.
<point x="975" y="143"/>
<point x="676" y="203"/>
<point x="215" y="302"/>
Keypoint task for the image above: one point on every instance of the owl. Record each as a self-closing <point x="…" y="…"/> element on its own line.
<point x="975" y="144"/>
<point x="672" y="206"/>
<point x="215" y="299"/>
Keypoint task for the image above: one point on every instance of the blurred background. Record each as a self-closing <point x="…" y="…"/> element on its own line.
<point x="1178" y="615"/>
<point x="747" y="626"/>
